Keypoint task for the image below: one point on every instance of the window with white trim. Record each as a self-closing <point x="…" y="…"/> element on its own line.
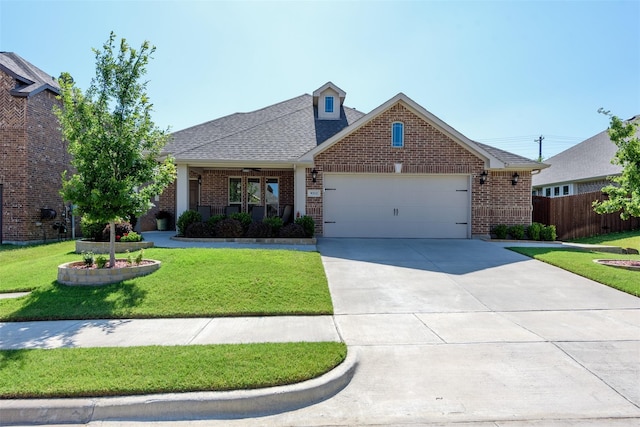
<point x="397" y="134"/>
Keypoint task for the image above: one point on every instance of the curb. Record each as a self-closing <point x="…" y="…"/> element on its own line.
<point x="182" y="406"/>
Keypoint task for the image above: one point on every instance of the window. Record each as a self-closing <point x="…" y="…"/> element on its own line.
<point x="271" y="197"/>
<point x="235" y="192"/>
<point x="565" y="190"/>
<point x="397" y="134"/>
<point x="547" y="192"/>
<point x="328" y="104"/>
<point x="253" y="191"/>
<point x="556" y="191"/>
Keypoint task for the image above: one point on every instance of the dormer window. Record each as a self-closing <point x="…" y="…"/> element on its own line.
<point x="328" y="104"/>
<point x="397" y="135"/>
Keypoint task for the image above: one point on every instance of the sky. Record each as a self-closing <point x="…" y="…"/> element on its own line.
<point x="500" y="72"/>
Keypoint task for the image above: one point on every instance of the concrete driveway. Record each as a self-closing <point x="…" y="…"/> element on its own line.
<point x="464" y="331"/>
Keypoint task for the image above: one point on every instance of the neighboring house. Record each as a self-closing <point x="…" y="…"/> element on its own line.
<point x="398" y="171"/>
<point x="583" y="168"/>
<point x="33" y="154"/>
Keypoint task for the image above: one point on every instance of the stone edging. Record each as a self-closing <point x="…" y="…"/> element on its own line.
<point x="102" y="276"/>
<point x="624" y="267"/>
<point x="266" y="240"/>
<point x="103" y="247"/>
<point x="182" y="406"/>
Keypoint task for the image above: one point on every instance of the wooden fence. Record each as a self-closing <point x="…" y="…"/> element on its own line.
<point x="574" y="217"/>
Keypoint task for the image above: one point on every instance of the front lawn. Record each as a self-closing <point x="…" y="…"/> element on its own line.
<point x="95" y="372"/>
<point x="581" y="262"/>
<point x="190" y="283"/>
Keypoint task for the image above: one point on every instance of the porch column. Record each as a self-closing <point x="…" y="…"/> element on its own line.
<point x="182" y="189"/>
<point x="300" y="190"/>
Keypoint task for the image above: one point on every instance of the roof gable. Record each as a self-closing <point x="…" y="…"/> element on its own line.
<point x="32" y="80"/>
<point x="493" y="158"/>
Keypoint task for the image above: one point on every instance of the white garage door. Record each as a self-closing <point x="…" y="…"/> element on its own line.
<point x="426" y="206"/>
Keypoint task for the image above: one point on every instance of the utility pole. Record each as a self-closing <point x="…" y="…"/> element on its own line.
<point x="539" y="141"/>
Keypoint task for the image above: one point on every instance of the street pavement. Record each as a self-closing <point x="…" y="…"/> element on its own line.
<point x="448" y="332"/>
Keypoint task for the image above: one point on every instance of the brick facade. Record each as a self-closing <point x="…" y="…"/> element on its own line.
<point x="426" y="151"/>
<point x="33" y="156"/>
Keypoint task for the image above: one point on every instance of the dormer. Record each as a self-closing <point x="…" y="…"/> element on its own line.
<point x="328" y="99"/>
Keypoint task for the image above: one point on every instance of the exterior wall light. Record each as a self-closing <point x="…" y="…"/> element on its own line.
<point x="483" y="177"/>
<point x="314" y="175"/>
<point x="199" y="179"/>
<point x="514" y="178"/>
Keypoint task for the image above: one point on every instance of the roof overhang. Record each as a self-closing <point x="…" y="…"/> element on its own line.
<point x="491" y="162"/>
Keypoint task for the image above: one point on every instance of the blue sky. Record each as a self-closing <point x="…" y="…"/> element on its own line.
<point x="500" y="72"/>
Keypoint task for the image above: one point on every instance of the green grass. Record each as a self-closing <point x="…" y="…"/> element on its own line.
<point x="626" y="239"/>
<point x="95" y="372"/>
<point x="190" y="283"/>
<point x="581" y="262"/>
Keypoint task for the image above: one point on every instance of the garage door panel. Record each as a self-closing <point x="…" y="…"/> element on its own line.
<point x="396" y="206"/>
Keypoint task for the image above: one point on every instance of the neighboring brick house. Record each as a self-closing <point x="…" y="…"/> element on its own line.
<point x="583" y="168"/>
<point x="33" y="154"/>
<point x="398" y="171"/>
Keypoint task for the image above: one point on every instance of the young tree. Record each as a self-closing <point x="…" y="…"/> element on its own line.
<point x="114" y="144"/>
<point x="625" y="196"/>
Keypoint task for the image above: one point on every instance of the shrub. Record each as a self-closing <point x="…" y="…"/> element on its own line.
<point x="308" y="225"/>
<point x="101" y="261"/>
<point x="213" y="220"/>
<point x="122" y="228"/>
<point x="500" y="231"/>
<point x="199" y="229"/>
<point x="187" y="218"/>
<point x="548" y="232"/>
<point x="229" y="227"/>
<point x="139" y="257"/>
<point x="131" y="237"/>
<point x="88" y="258"/>
<point x="292" y="231"/>
<point x="517" y="231"/>
<point x="533" y="231"/>
<point x="275" y="222"/>
<point x="244" y="219"/>
<point x="259" y="229"/>
<point x="91" y="230"/>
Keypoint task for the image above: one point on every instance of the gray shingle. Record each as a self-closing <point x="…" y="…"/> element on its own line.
<point x="31" y="78"/>
<point x="281" y="132"/>
<point x="590" y="159"/>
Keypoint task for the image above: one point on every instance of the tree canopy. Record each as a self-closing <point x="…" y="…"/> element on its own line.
<point x="114" y="144"/>
<point x="624" y="193"/>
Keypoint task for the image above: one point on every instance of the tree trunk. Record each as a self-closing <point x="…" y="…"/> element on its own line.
<point x="112" y="243"/>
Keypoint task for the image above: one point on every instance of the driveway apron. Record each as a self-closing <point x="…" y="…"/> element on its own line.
<point x="454" y="331"/>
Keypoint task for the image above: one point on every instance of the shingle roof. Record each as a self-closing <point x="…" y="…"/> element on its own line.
<point x="590" y="159"/>
<point x="280" y="132"/>
<point x="31" y="79"/>
<point x="510" y="159"/>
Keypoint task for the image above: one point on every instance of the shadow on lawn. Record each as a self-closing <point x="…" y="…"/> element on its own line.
<point x="61" y="302"/>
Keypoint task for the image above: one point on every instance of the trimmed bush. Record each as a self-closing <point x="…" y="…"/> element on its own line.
<point x="517" y="231"/>
<point x="131" y="237"/>
<point x="259" y="230"/>
<point x="276" y="224"/>
<point x="244" y="219"/>
<point x="229" y="227"/>
<point x="292" y="231"/>
<point x="533" y="231"/>
<point x="500" y="231"/>
<point x="548" y="233"/>
<point x="187" y="218"/>
<point x="213" y="220"/>
<point x="199" y="230"/>
<point x="308" y="225"/>
<point x="91" y="230"/>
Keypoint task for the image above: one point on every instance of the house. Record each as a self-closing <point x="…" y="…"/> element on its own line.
<point x="33" y="154"/>
<point x="583" y="168"/>
<point x="398" y="171"/>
